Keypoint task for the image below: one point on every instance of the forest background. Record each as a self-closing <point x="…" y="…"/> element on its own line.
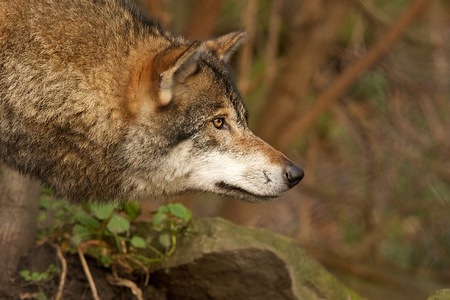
<point x="357" y="92"/>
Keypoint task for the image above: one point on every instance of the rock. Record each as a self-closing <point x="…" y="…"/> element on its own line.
<point x="225" y="261"/>
<point x="440" y="295"/>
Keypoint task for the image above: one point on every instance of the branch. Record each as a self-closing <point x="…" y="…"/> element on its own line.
<point x="62" y="260"/>
<point x="373" y="12"/>
<point x="116" y="280"/>
<point x="349" y="76"/>
<point x="88" y="274"/>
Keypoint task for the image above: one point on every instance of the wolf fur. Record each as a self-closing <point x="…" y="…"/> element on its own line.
<point x="101" y="103"/>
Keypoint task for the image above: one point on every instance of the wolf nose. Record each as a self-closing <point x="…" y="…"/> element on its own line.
<point x="293" y="175"/>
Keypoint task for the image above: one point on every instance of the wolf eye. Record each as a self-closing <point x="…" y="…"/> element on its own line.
<point x="219" y="123"/>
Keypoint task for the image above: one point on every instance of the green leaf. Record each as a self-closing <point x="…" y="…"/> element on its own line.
<point x="180" y="211"/>
<point x="163" y="209"/>
<point x="46" y="203"/>
<point x="132" y="209"/>
<point x="103" y="211"/>
<point x="86" y="219"/>
<point x="26" y="274"/>
<point x="105" y="260"/>
<point x="42" y="216"/>
<point x="79" y="229"/>
<point x="118" y="224"/>
<point x="79" y="234"/>
<point x="138" y="242"/>
<point x="77" y="239"/>
<point x="164" y="240"/>
<point x="158" y="221"/>
<point x="39" y="276"/>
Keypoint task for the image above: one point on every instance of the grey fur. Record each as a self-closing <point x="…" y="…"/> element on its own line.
<point x="76" y="113"/>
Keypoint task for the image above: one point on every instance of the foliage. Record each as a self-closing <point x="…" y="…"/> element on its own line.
<point x="168" y="221"/>
<point x="40" y="276"/>
<point x="111" y="233"/>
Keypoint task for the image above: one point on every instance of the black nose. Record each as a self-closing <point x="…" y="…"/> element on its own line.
<point x="293" y="175"/>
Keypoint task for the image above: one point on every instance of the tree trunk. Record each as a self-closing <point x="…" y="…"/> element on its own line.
<point x="18" y="214"/>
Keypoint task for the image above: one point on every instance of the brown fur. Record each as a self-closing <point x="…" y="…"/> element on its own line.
<point x="95" y="99"/>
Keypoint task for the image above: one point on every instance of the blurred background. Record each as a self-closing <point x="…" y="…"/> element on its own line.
<point x="358" y="94"/>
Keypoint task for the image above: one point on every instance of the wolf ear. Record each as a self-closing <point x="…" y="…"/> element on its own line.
<point x="175" y="66"/>
<point x="225" y="46"/>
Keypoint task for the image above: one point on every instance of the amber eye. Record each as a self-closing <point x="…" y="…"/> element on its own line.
<point x="218" y="123"/>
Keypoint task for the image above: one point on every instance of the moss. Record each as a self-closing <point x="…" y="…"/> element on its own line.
<point x="309" y="280"/>
<point x="440" y="295"/>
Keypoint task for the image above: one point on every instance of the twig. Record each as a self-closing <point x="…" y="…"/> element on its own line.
<point x="88" y="274"/>
<point x="116" y="280"/>
<point x="143" y="267"/>
<point x="373" y="12"/>
<point x="348" y="77"/>
<point x="62" y="280"/>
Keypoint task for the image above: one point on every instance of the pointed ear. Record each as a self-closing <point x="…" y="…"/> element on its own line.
<point x="173" y="67"/>
<point x="225" y="46"/>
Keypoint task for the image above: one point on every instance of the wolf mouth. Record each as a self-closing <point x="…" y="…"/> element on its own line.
<point x="238" y="190"/>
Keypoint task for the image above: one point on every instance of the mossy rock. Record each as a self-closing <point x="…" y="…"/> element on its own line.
<point x="225" y="261"/>
<point x="440" y="295"/>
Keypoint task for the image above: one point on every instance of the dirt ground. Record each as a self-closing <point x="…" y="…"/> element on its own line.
<point x="248" y="274"/>
<point x="76" y="286"/>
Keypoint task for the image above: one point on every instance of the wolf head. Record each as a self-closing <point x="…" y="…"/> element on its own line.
<point x="189" y="128"/>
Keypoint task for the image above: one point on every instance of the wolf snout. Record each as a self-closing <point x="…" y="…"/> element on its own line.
<point x="293" y="174"/>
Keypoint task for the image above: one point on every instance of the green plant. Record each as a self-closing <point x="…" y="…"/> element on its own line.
<point x="110" y="233"/>
<point x="169" y="221"/>
<point x="39" y="276"/>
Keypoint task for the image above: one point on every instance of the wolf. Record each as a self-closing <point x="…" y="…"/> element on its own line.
<point x="101" y="103"/>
